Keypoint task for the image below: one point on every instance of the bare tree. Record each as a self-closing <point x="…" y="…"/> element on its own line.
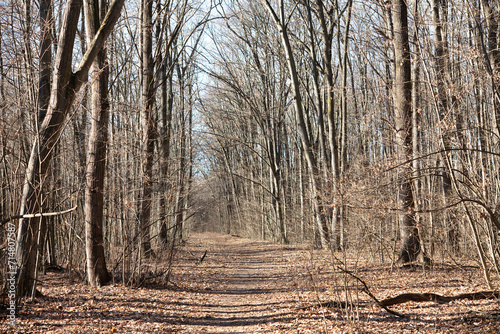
<point x="65" y="85"/>
<point x="410" y="242"/>
<point x="281" y="20"/>
<point x="96" y="152"/>
<point x="147" y="117"/>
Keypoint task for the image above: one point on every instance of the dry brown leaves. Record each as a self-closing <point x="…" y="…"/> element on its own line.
<point x="244" y="286"/>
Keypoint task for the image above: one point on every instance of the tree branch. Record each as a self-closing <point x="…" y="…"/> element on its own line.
<point x="367" y="291"/>
<point x="102" y="34"/>
<point x="35" y="215"/>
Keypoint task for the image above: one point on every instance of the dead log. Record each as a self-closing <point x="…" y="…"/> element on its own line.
<point x="432" y="297"/>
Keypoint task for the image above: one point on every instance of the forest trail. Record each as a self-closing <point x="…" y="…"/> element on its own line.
<point x="241" y="286"/>
<point x="246" y="286"/>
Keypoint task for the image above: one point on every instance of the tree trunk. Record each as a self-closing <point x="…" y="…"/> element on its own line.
<point x="166" y="113"/>
<point x="181" y="194"/>
<point x="46" y="23"/>
<point x="96" y="153"/>
<point x="493" y="57"/>
<point x="148" y="129"/>
<point x="410" y="242"/>
<point x="327" y="35"/>
<point x="415" y="122"/>
<point x="44" y="86"/>
<point x="339" y="210"/>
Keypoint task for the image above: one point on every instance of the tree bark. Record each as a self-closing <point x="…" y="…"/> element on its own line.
<point x="148" y="129"/>
<point x="45" y="69"/>
<point x="181" y="194"/>
<point x="167" y="99"/>
<point x="96" y="152"/>
<point x="415" y="121"/>
<point x="493" y="57"/>
<point x="410" y="241"/>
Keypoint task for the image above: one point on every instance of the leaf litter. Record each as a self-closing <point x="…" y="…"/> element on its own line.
<point x="245" y="286"/>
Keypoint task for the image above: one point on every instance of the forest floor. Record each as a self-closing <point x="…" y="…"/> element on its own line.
<point x="244" y="286"/>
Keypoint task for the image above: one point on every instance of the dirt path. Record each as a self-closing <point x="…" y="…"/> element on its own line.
<point x="243" y="286"/>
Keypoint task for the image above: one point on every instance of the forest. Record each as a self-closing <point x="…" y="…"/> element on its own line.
<point x="364" y="132"/>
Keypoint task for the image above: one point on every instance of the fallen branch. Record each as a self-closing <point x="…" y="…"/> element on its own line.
<point x="367" y="291"/>
<point x="432" y="297"/>
<point x="342" y="304"/>
<point x="35" y="215"/>
<point x="200" y="259"/>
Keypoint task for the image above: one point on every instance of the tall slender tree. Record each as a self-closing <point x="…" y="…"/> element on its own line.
<point x="410" y="242"/>
<point x="96" y="151"/>
<point x="148" y="128"/>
